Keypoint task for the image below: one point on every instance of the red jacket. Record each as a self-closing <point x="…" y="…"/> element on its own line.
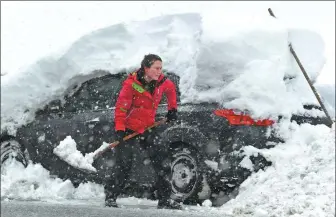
<point x="135" y="108"/>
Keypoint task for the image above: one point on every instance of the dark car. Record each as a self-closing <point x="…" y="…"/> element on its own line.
<point x="205" y="142"/>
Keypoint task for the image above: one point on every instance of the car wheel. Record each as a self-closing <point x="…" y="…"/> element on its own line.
<point x="187" y="175"/>
<point x="11" y="150"/>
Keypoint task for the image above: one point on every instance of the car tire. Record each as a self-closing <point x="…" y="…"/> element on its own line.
<point x="11" y="149"/>
<point x="186" y="175"/>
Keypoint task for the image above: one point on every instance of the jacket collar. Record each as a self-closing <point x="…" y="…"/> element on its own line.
<point x="137" y="75"/>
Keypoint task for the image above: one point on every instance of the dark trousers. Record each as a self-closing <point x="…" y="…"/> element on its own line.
<point x="159" y="157"/>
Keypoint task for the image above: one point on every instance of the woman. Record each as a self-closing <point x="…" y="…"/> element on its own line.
<point x="135" y="110"/>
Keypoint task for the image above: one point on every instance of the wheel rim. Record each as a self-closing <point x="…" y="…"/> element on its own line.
<point x="184" y="175"/>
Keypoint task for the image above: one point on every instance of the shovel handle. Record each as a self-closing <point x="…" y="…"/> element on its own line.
<point x="114" y="144"/>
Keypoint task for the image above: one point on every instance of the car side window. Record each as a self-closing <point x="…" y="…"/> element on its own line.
<point x="95" y="94"/>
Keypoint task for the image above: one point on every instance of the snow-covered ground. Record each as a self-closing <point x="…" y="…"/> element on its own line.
<point x="301" y="181"/>
<point x="239" y="64"/>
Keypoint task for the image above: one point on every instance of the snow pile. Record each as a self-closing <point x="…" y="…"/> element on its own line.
<point x="35" y="183"/>
<point x="254" y="58"/>
<point x="240" y="65"/>
<point x="301" y="181"/>
<point x="67" y="150"/>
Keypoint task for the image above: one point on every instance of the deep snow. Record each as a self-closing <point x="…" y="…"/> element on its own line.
<point x="240" y="66"/>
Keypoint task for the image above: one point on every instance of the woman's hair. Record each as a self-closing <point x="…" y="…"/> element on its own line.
<point x="149" y="59"/>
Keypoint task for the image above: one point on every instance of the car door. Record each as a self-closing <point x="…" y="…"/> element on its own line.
<point x="86" y="115"/>
<point x="93" y="105"/>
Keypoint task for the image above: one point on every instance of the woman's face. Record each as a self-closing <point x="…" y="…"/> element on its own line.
<point x="154" y="72"/>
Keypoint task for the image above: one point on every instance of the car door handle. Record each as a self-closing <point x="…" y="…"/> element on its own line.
<point x="93" y="121"/>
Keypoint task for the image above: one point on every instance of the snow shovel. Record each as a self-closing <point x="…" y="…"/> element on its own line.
<point x="84" y="163"/>
<point x="100" y="151"/>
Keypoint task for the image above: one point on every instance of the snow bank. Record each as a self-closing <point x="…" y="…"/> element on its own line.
<point x="254" y="58"/>
<point x="301" y="181"/>
<point x="239" y="64"/>
<point x="35" y="183"/>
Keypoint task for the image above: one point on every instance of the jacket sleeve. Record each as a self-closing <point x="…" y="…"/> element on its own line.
<point x="171" y="95"/>
<point x="123" y="105"/>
